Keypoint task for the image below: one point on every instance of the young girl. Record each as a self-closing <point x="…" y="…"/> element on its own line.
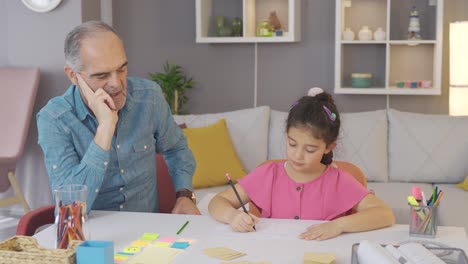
<point x="306" y="186"/>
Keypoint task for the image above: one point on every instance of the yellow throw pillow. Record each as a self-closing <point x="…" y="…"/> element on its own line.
<point x="215" y="155"/>
<point x="464" y="184"/>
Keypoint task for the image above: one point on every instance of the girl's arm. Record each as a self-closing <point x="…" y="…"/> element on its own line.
<point x="224" y="208"/>
<point x="372" y="213"/>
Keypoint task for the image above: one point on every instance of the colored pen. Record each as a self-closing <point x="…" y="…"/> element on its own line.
<point x="182" y="228"/>
<point x="412" y="201"/>
<point x="237" y="194"/>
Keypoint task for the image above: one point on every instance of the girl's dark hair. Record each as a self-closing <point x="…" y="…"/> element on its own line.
<point x="309" y="112"/>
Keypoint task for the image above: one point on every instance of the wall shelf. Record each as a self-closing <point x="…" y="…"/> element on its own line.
<point x="252" y="12"/>
<point x="395" y="59"/>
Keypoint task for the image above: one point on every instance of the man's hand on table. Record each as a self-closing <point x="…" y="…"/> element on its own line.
<point x="185" y="205"/>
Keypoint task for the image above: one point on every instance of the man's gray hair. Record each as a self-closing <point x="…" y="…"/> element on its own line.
<point x="73" y="41"/>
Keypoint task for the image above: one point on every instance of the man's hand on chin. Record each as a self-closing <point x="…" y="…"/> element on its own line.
<point x="185" y="205"/>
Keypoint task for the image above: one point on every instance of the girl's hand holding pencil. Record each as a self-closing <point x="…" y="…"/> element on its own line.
<point x="241" y="221"/>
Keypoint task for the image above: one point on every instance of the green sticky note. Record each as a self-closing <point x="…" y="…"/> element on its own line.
<point x="149" y="236"/>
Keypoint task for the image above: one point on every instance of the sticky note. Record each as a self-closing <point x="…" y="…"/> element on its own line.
<point x="131" y="249"/>
<point x="180" y="245"/>
<point x="149" y="236"/>
<point x="140" y="243"/>
<point x="319" y="258"/>
<point x="167" y="239"/>
<point x="121" y="257"/>
<point x="161" y="244"/>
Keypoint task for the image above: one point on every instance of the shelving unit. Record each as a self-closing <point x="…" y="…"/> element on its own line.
<point x="395" y="59"/>
<point x="252" y="12"/>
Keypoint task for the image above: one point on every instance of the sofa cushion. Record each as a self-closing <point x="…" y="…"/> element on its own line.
<point x="214" y="154"/>
<point x="427" y="148"/>
<point x="248" y="129"/>
<point x="362" y="141"/>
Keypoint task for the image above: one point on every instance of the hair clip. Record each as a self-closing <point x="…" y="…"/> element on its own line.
<point x="331" y="115"/>
<point x="314" y="91"/>
<point x="293" y="105"/>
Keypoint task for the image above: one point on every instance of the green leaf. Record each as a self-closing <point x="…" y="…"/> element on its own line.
<point x="171" y="80"/>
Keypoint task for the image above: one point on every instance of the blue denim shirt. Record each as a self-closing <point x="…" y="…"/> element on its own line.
<point x="123" y="178"/>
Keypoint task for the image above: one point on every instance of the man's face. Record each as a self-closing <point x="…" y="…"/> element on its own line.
<point x="105" y="66"/>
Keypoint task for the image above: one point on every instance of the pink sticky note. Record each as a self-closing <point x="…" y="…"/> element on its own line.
<point x="167" y="239"/>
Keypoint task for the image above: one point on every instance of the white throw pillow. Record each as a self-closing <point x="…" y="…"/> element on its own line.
<point x="362" y="141"/>
<point x="427" y="148"/>
<point x="248" y="129"/>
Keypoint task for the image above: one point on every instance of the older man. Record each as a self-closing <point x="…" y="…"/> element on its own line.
<point x="105" y="130"/>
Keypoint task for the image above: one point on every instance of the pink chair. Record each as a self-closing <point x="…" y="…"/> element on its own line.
<point x="18" y="94"/>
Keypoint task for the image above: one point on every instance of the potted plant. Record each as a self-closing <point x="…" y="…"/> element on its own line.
<point x="174" y="83"/>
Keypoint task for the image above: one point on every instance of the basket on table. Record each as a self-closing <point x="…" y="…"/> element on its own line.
<point x="25" y="250"/>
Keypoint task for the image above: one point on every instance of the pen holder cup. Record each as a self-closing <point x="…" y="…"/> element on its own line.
<point x="70" y="214"/>
<point x="423" y="221"/>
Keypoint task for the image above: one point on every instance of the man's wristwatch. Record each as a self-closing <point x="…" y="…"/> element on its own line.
<point x="186" y="193"/>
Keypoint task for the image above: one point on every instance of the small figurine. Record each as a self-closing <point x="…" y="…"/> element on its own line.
<point x="414" y="26"/>
<point x="275" y="24"/>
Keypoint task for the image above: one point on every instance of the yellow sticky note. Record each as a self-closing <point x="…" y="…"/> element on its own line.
<point x="319" y="258"/>
<point x="140" y="243"/>
<point x="162" y="244"/>
<point x="121" y="257"/>
<point x="131" y="249"/>
<point x="149" y="236"/>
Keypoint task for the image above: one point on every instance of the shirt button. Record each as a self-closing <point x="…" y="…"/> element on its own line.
<point x="121" y="189"/>
<point x="122" y="171"/>
<point x="118" y="146"/>
<point x="296" y="217"/>
<point x="54" y="166"/>
<point x="105" y="163"/>
<point x="121" y="206"/>
<point x="97" y="190"/>
<point x="145" y="147"/>
<point x="298" y="188"/>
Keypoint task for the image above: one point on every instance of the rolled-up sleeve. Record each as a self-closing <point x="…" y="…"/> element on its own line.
<point x="172" y="144"/>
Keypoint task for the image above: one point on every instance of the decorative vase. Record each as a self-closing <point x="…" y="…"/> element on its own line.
<point x="365" y="33"/>
<point x="379" y="34"/>
<point x="236" y="26"/>
<point x="221" y="29"/>
<point x="264" y="29"/>
<point x="348" y="34"/>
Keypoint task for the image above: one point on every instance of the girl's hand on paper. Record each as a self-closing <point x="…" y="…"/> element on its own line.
<point x="242" y="222"/>
<point x="322" y="231"/>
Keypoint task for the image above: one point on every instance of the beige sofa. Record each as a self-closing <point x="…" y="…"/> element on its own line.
<point x="396" y="151"/>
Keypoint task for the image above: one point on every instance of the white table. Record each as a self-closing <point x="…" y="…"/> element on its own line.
<point x="275" y="240"/>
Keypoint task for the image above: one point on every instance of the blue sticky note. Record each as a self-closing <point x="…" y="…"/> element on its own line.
<point x="95" y="252"/>
<point x="180" y="245"/>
